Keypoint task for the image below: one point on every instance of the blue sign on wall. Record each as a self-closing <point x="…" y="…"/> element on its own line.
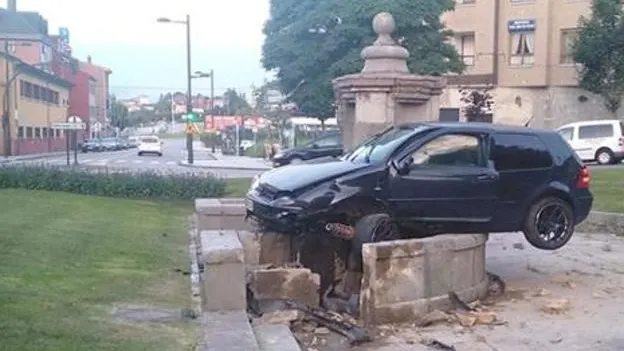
<point x="525" y="25"/>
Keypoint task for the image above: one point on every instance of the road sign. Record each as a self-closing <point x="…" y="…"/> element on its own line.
<point x="191" y="128"/>
<point x="68" y="126"/>
<point x="192" y="117"/>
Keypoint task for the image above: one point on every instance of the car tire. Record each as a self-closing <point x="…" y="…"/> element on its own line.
<point x="295" y="161"/>
<point x="369" y="230"/>
<point x="140" y="153"/>
<point x="561" y="226"/>
<point x="605" y="156"/>
<point x="160" y="154"/>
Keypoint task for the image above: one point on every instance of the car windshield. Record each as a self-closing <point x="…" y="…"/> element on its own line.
<point x="380" y="146"/>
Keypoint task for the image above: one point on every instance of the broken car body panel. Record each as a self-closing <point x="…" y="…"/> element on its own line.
<point x="431" y="177"/>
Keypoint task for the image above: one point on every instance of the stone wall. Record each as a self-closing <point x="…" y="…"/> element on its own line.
<point x="551" y="107"/>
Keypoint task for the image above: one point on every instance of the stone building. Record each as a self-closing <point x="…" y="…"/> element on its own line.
<point x="523" y="49"/>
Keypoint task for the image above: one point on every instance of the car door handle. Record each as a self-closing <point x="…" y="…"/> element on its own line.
<point x="486" y="177"/>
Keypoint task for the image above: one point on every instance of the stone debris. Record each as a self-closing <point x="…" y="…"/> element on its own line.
<point x="434" y="317"/>
<point x="518" y="246"/>
<point x="279" y="317"/>
<point x="298" y="284"/>
<point x="556" y="306"/>
<point x="541" y="293"/>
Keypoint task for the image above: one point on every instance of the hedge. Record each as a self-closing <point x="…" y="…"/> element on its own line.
<point x="98" y="182"/>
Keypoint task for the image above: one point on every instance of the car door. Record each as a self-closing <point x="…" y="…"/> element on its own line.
<point x="591" y="138"/>
<point x="448" y="180"/>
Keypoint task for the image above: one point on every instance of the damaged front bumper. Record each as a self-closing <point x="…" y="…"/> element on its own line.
<point x="284" y="219"/>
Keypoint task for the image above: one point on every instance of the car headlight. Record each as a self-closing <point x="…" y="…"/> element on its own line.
<point x="255" y="182"/>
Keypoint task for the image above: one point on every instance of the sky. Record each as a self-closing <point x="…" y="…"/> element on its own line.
<point x="147" y="57"/>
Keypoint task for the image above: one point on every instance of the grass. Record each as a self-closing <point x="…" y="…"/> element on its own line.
<point x="607" y="187"/>
<point x="67" y="260"/>
<point x="237" y="187"/>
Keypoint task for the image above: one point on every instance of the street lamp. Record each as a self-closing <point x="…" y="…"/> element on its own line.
<point x="189" y="78"/>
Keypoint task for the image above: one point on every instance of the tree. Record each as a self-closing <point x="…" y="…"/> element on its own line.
<point x="599" y="49"/>
<point x="119" y="113"/>
<point x="310" y="42"/>
<point x="477" y="104"/>
<point x="235" y="103"/>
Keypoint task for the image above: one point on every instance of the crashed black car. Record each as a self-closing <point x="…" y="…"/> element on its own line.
<point x="422" y="179"/>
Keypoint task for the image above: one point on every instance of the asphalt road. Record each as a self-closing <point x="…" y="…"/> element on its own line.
<point x="174" y="151"/>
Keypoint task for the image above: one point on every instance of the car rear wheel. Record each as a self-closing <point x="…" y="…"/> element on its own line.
<point x="549" y="224"/>
<point x="372" y="228"/>
<point x="604" y="157"/>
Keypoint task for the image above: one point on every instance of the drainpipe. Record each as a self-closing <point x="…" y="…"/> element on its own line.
<point x="496" y="45"/>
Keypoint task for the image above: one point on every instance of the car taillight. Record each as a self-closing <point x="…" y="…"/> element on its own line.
<point x="584" y="178"/>
<point x="621" y="141"/>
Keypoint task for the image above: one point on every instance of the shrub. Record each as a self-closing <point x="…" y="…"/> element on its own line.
<point x="102" y="182"/>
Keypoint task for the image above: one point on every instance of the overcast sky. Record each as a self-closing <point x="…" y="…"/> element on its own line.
<point x="149" y="57"/>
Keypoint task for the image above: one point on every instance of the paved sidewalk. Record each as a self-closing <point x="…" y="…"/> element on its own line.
<point x="204" y="158"/>
<point x="10" y="159"/>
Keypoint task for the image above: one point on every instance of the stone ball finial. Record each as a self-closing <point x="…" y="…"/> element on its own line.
<point x="383" y="23"/>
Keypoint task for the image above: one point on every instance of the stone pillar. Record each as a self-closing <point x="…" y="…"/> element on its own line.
<point x="385" y="92"/>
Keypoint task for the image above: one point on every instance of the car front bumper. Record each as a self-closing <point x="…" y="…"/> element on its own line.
<point x="285" y="220"/>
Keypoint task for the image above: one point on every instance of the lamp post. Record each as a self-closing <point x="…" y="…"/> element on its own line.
<point x="189" y="78"/>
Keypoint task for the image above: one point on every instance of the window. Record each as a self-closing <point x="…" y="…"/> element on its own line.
<point x="44" y="132"/>
<point x="37" y="132"/>
<point x="465" y="45"/>
<point x="596" y="131"/>
<point x="566" y="133"/>
<point x="57" y="132"/>
<point x="522" y="48"/>
<point x="330" y="141"/>
<point x="449" y="150"/>
<point x="568" y="37"/>
<point x="29" y="132"/>
<point x="519" y="152"/>
<point x="36" y="92"/>
<point x="20" y="132"/>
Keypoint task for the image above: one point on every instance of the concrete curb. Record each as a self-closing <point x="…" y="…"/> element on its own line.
<point x="31" y="157"/>
<point x="184" y="164"/>
<point x="602" y="222"/>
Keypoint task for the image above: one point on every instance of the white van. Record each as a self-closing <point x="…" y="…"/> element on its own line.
<point x="150" y="145"/>
<point x="601" y="140"/>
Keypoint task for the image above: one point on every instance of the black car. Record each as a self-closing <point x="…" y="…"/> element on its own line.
<point x="92" y="145"/>
<point x="327" y="145"/>
<point x="423" y="179"/>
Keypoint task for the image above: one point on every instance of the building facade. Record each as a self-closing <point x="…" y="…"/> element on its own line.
<point x="101" y="91"/>
<point x="522" y="48"/>
<point x="36" y="101"/>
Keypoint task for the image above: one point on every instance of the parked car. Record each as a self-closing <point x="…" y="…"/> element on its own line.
<point x="124" y="144"/>
<point x="601" y="141"/>
<point x="92" y="145"/>
<point x="110" y="144"/>
<point x="133" y="141"/>
<point x="423" y="179"/>
<point x="327" y="145"/>
<point x="150" y="145"/>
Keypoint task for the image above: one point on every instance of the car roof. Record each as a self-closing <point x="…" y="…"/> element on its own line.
<point x="590" y="123"/>
<point x="475" y="127"/>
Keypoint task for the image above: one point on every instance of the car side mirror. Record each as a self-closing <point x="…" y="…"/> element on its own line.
<point x="403" y="167"/>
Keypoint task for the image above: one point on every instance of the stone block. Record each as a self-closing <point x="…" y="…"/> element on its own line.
<point x="275" y="337"/>
<point x="275" y="248"/>
<point x="213" y="214"/>
<point x="229" y="331"/>
<point x="405" y="279"/>
<point x="251" y="245"/>
<point x="223" y="280"/>
<point x="298" y="284"/>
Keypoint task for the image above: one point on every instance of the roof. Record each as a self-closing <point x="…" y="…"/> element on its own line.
<point x="474" y="126"/>
<point x="36" y="72"/>
<point x="591" y="123"/>
<point x="22" y="23"/>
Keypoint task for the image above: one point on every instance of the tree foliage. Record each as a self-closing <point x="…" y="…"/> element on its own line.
<point x="118" y="113"/>
<point x="314" y="41"/>
<point x="599" y="49"/>
<point x="235" y="103"/>
<point x="477" y="104"/>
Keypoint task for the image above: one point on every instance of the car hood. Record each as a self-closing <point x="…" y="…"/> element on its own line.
<point x="294" y="177"/>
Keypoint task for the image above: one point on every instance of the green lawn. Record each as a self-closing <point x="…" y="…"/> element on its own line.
<point x="607" y="187"/>
<point x="67" y="260"/>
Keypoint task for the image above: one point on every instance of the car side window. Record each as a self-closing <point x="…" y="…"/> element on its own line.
<point x="566" y="133"/>
<point x="596" y="131"/>
<point x="330" y="141"/>
<point x="459" y="150"/>
<point x="513" y="152"/>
